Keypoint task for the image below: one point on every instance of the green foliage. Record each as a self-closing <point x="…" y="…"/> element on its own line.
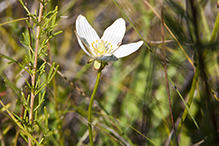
<point x="131" y="103"/>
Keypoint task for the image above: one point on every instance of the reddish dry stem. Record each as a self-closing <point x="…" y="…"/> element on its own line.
<point x="33" y="78"/>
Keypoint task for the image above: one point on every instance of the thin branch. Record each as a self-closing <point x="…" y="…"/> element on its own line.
<point x="165" y="68"/>
<point x="33" y="77"/>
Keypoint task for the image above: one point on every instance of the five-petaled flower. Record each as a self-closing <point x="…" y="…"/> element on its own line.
<point x="107" y="48"/>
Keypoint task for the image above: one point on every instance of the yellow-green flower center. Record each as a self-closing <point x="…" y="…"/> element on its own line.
<point x="100" y="47"/>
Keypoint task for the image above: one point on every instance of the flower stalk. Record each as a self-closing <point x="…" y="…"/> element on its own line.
<point x="102" y="50"/>
<point x="90" y="106"/>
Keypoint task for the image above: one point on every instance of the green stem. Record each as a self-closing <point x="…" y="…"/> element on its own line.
<point x="90" y="107"/>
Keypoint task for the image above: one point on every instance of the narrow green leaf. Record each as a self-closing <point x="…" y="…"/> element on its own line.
<point x="46" y="117"/>
<point x="10" y="62"/>
<point x="54" y="73"/>
<point x="28" y="23"/>
<point x="193" y="87"/>
<point x="42" y="97"/>
<point x="23" y="98"/>
<point x="50" y="13"/>
<point x="54" y="19"/>
<point x="24" y="137"/>
<point x="35" y="116"/>
<point x="215" y="29"/>
<point x="41" y="141"/>
<point x="51" y="70"/>
<point x="49" y="20"/>
<point x="9" y="58"/>
<point x="27" y="59"/>
<point x="25" y="38"/>
<point x="56" y="33"/>
<point x="7" y="106"/>
<point x="28" y="84"/>
<point x="25" y="114"/>
<point x="22" y="3"/>
<point x="18" y="118"/>
<point x="28" y="98"/>
<point x="35" y="109"/>
<point x="54" y="140"/>
<point x="42" y="67"/>
<point x="34" y="20"/>
<point x="39" y="98"/>
<point x="42" y="128"/>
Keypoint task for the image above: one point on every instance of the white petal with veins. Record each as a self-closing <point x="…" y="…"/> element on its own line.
<point x="127" y="49"/>
<point x="85" y="30"/>
<point x="82" y="45"/>
<point x="115" y="32"/>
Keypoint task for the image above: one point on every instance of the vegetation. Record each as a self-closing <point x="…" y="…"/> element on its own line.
<point x="46" y="82"/>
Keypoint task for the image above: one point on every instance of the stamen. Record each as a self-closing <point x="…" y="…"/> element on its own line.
<point x="92" y="44"/>
<point x="108" y="46"/>
<point x="111" y="47"/>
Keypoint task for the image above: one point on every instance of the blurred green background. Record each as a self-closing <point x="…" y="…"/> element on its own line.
<point x="131" y="100"/>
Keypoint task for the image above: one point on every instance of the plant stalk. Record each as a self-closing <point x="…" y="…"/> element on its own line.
<point x="166" y="77"/>
<point x="90" y="107"/>
<point x="33" y="77"/>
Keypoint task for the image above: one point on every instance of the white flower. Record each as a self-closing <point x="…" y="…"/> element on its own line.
<point x="107" y="48"/>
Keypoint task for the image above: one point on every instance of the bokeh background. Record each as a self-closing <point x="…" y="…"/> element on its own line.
<point x="131" y="103"/>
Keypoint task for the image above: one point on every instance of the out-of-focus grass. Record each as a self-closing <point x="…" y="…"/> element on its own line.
<point x="132" y="94"/>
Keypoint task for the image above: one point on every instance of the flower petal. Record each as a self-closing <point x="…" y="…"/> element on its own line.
<point x="115" y="33"/>
<point x="85" y="30"/>
<point x="128" y="49"/>
<point x="83" y="45"/>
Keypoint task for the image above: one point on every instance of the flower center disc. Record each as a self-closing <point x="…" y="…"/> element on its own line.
<point x="102" y="47"/>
